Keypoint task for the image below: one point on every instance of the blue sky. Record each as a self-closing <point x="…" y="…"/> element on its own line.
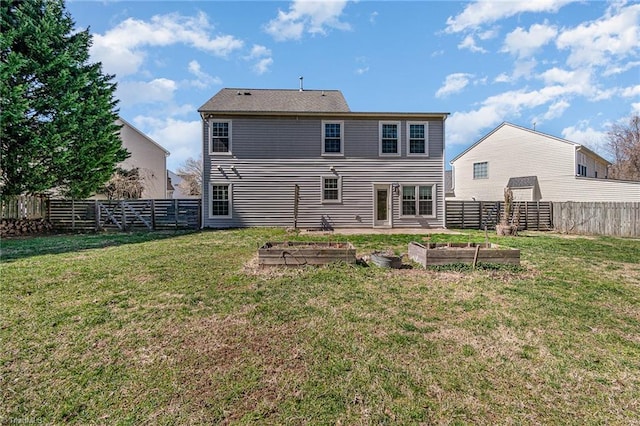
<point x="572" y="68"/>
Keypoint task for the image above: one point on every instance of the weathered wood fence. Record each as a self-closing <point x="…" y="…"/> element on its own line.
<point x="614" y="219"/>
<point x="532" y="215"/>
<point x="124" y="215"/>
<point x="24" y="207"/>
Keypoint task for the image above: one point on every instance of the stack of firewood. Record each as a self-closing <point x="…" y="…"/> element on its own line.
<point x="19" y="227"/>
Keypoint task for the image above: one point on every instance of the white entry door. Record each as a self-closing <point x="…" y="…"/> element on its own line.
<point x="382" y="205"/>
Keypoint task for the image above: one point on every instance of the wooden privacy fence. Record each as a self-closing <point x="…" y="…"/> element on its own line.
<point x="23" y="207"/>
<point x="124" y="215"/>
<point x="613" y="219"/>
<point x="532" y="215"/>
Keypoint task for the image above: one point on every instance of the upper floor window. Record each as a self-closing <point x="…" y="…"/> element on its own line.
<point x="389" y="132"/>
<point x="481" y="170"/>
<point x="417" y="200"/>
<point x="417" y="138"/>
<point x="331" y="189"/>
<point x="220" y="139"/>
<point x="332" y="138"/>
<point x="582" y="170"/>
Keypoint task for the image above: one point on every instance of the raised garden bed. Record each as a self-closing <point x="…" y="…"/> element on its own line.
<point x="470" y="253"/>
<point x="305" y="253"/>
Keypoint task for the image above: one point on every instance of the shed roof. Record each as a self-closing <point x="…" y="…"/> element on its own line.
<point x="276" y="100"/>
<point x="523" y="182"/>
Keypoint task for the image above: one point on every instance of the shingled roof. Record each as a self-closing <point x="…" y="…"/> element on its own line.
<point x="271" y="100"/>
<point x="523" y="182"/>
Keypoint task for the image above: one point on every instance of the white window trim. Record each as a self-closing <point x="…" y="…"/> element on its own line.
<point x="322" y="179"/>
<point x="426" y="139"/>
<point x="417" y="194"/>
<point x="389" y="154"/>
<point x="230" y="201"/>
<point x="210" y="124"/>
<point x="473" y="172"/>
<point x="333" y="154"/>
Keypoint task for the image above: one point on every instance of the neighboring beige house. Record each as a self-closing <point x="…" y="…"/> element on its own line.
<point x="178" y="192"/>
<point x="149" y="157"/>
<point x="537" y="167"/>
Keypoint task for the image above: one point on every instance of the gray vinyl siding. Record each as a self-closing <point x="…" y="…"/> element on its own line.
<point x="271" y="156"/>
<point x="278" y="138"/>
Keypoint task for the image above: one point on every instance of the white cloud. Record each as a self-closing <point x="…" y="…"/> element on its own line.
<point x="613" y="69"/>
<point x="454" y="83"/>
<point x="523" y="69"/>
<point x="469" y="43"/>
<point x="635" y="108"/>
<point x="631" y="91"/>
<point x="373" y="17"/>
<point x="557" y="75"/>
<point x="464" y="127"/>
<point x="143" y="92"/>
<point x="262" y="56"/>
<point x="523" y="43"/>
<point x="121" y="49"/>
<point x="314" y="17"/>
<point x="203" y="79"/>
<point x="488" y="34"/>
<point x="262" y="65"/>
<point x="363" y="65"/>
<point x="183" y="139"/>
<point x="556" y="109"/>
<point x="585" y="135"/>
<point x="479" y="13"/>
<point x="604" y="40"/>
<point x="502" y="78"/>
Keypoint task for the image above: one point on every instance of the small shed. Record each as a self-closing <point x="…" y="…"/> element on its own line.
<point x="525" y="188"/>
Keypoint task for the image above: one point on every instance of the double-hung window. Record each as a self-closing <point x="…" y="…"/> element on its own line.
<point x="220" y="201"/>
<point x="418" y="200"/>
<point x="417" y="138"/>
<point x="331" y="189"/>
<point x="332" y="138"/>
<point x="389" y="132"/>
<point x="582" y="169"/>
<point x="220" y="138"/>
<point x="481" y="170"/>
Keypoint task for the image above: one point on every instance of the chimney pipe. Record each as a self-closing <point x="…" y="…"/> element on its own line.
<point x="301" y="88"/>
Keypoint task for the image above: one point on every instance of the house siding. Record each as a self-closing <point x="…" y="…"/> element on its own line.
<point x="270" y="156"/>
<point x="150" y="159"/>
<point x="512" y="151"/>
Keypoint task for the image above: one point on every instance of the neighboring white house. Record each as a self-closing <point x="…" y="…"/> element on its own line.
<point x="178" y="192"/>
<point x="537" y="167"/>
<point x="149" y="157"/>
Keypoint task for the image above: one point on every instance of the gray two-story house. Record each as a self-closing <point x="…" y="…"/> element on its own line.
<point x="303" y="158"/>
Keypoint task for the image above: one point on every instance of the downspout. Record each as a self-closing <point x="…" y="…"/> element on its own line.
<point x="444" y="189"/>
<point x="205" y="151"/>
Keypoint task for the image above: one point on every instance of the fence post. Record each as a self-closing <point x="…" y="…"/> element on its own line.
<point x="73" y="215"/>
<point x="175" y="211"/>
<point x="124" y="216"/>
<point x="96" y="214"/>
<point x="153" y="215"/>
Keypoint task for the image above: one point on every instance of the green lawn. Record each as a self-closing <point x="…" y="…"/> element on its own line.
<point x="185" y="329"/>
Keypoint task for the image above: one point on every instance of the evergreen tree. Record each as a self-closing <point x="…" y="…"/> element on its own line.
<point x="58" y="111"/>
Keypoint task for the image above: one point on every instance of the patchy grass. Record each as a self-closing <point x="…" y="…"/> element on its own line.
<point x="184" y="328"/>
